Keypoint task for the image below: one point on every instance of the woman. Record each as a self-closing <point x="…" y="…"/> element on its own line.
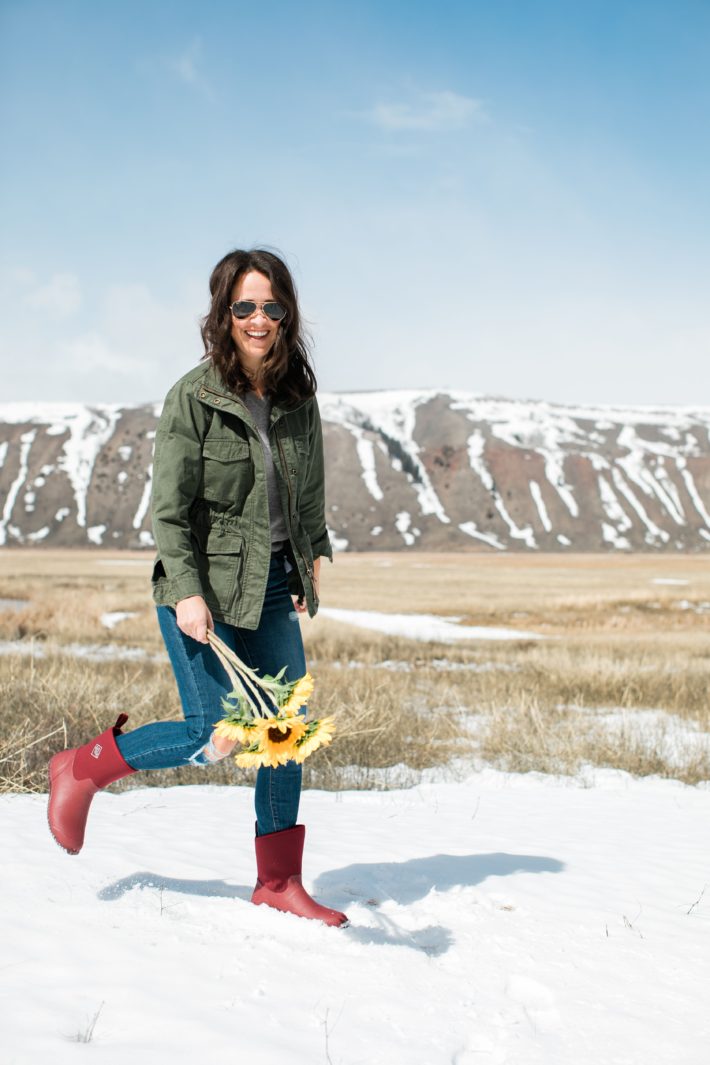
<point x="239" y="525"/>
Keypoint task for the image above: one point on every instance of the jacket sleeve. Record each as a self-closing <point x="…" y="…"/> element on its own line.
<point x="177" y="473"/>
<point x="312" y="502"/>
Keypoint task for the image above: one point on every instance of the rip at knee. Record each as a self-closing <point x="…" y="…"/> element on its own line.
<point x="208" y="754"/>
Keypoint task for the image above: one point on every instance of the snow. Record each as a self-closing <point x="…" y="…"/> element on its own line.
<point x="476" y="449"/>
<point x="88" y="428"/>
<point x="93" y="652"/>
<point x="40" y="534"/>
<point x="112" y="618"/>
<point x="427" y="627"/>
<point x="469" y="527"/>
<point x="402" y="524"/>
<point x="653" y="446"/>
<point x="654" y="533"/>
<point x="540" y="504"/>
<point x="13" y="604"/>
<point x="366" y="455"/>
<point x="140" y="514"/>
<point x="394" y="413"/>
<point x="338" y="543"/>
<point x="614" y="511"/>
<point x="95" y="533"/>
<point x="692" y="490"/>
<point x="26" y="440"/>
<point x="676" y="741"/>
<point x="495" y="920"/>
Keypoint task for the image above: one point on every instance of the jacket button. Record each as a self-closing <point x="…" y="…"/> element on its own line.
<point x="203" y="395"/>
<point x="217" y="400"/>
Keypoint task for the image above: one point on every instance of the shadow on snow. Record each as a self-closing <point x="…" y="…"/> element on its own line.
<point x="371" y="884"/>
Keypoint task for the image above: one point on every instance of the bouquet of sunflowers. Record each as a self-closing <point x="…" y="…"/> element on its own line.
<point x="261" y="713"/>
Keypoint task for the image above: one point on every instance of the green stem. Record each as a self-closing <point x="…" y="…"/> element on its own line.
<point x="238" y="672"/>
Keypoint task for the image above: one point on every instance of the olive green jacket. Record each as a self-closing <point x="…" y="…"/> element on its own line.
<point x="210" y="506"/>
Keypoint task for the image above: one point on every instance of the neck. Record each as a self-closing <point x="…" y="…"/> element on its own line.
<point x="251" y="369"/>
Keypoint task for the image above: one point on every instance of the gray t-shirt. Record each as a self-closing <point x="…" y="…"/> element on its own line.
<point x="260" y="410"/>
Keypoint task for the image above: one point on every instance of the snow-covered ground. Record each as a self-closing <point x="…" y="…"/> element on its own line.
<point x="495" y="920"/>
<point x="428" y="627"/>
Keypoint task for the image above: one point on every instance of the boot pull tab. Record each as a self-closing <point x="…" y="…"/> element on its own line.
<point x="120" y="722"/>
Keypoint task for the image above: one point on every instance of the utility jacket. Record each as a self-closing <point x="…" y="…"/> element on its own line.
<point x="210" y="506"/>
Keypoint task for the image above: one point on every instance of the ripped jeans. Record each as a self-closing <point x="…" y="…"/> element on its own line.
<point x="202" y="682"/>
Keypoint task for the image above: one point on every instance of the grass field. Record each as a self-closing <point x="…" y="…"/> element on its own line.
<point x="620" y="679"/>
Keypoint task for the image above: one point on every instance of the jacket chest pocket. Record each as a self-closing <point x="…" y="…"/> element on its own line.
<point x="299" y="466"/>
<point x="219" y="562"/>
<point x="227" y="471"/>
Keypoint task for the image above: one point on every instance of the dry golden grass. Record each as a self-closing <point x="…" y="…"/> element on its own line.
<point x="615" y="640"/>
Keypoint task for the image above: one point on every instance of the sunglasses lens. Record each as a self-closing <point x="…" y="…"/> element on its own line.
<point x="243" y="308"/>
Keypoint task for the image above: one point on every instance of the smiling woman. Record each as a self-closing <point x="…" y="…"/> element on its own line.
<point x="253" y="328"/>
<point x="239" y="524"/>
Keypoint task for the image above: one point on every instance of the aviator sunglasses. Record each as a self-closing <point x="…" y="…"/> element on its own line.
<point x="244" y="308"/>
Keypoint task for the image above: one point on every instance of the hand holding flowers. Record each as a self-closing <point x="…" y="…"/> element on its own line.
<point x="261" y="713"/>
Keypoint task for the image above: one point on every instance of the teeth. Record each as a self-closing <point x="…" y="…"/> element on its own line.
<point x="256" y="334"/>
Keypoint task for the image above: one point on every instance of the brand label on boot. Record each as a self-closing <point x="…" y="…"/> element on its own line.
<point x="96" y="753"/>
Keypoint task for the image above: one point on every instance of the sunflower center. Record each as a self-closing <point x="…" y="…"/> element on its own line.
<point x="277" y="736"/>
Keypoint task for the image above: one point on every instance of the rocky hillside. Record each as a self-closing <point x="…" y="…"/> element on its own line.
<point x="405" y="470"/>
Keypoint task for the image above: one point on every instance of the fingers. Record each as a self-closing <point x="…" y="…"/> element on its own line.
<point x="194" y="618"/>
<point x="299" y="604"/>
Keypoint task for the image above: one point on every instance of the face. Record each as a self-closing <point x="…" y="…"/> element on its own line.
<point x="255" y="336"/>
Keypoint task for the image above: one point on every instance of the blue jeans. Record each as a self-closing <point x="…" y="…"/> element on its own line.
<point x="202" y="682"/>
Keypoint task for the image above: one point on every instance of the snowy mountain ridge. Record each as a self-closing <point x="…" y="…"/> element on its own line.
<point x="406" y="469"/>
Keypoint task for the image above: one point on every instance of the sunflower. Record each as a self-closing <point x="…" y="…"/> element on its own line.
<point x="316" y="734"/>
<point x="268" y="738"/>
<point x="232" y="730"/>
<point x="299" y="695"/>
<point x="272" y="741"/>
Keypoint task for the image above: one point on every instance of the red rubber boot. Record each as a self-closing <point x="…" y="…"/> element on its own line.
<point x="278" y="865"/>
<point x="75" y="776"/>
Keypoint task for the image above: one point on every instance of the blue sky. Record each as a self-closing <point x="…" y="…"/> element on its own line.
<point x="507" y="198"/>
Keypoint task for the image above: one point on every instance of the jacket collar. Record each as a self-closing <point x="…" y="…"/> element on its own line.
<point x="211" y="390"/>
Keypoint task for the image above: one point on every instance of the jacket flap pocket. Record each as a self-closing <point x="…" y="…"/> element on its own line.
<point x="226" y="450"/>
<point x="219" y="541"/>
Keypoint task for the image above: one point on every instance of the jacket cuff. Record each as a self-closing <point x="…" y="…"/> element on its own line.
<point x="322" y="547"/>
<point x="185" y="585"/>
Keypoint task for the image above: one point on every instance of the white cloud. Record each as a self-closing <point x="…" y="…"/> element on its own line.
<point x="91" y="351"/>
<point x="433" y="111"/>
<point x="20" y="275"/>
<point x="187" y="68"/>
<point x="138" y="343"/>
<point x="61" y="296"/>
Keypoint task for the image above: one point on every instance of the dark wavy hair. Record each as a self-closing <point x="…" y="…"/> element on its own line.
<point x="287" y="372"/>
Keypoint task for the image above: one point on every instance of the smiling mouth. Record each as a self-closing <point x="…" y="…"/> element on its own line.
<point x="257" y="336"/>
